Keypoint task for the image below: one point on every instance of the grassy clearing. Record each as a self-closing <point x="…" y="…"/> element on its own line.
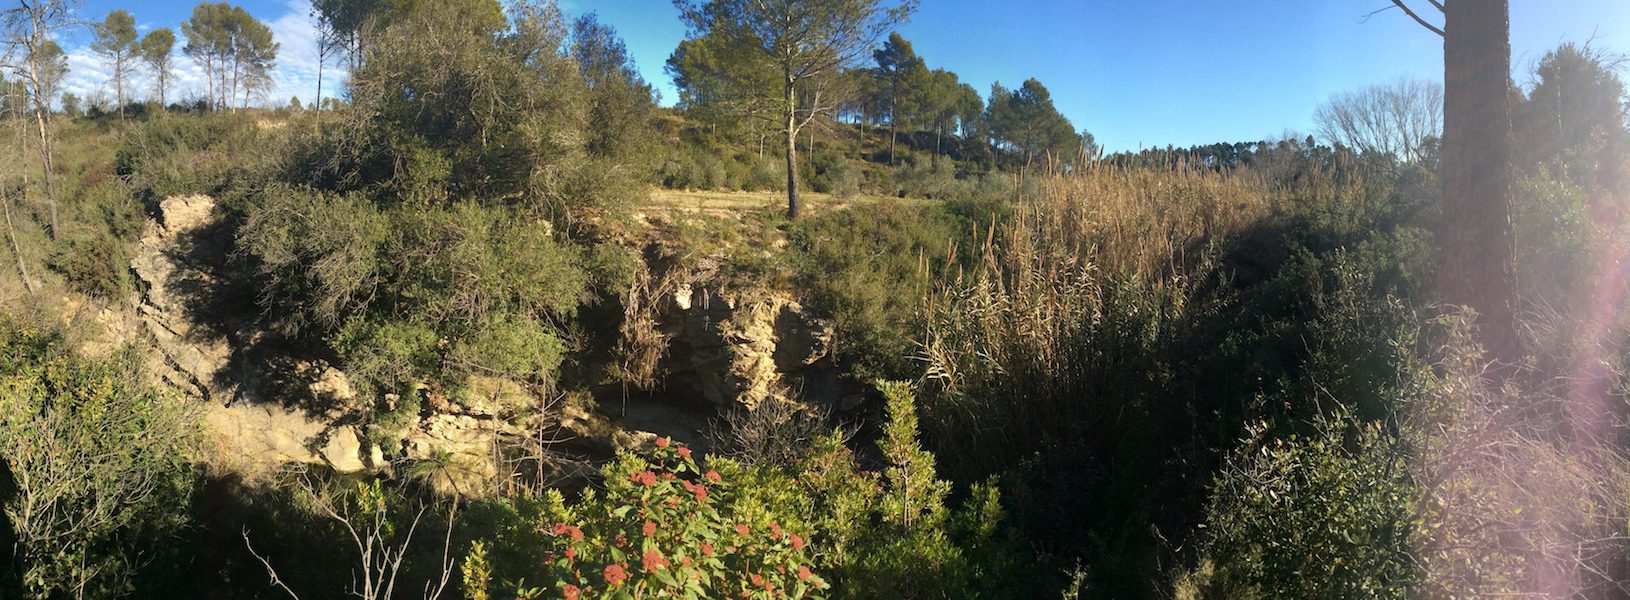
<point x="717" y="202"/>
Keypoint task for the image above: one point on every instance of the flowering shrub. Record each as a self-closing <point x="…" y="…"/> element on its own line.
<point x="667" y="522"/>
<point x="666" y="526"/>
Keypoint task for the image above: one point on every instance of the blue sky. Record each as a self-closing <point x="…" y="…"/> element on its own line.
<point x="1136" y="73"/>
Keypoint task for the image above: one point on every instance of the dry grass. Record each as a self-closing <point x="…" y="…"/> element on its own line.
<point x="1144" y="222"/>
<point x="715" y="202"/>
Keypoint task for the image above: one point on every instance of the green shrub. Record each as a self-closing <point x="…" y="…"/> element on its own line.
<point x="870" y="268"/>
<point x="514" y="347"/>
<point x="1326" y="515"/>
<point x="664" y="525"/>
<point x="96" y="467"/>
<point x="165" y="157"/>
<point x="1555" y="241"/>
<point x="94" y="264"/>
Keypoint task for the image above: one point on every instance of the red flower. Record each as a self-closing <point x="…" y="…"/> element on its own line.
<point x="797" y="542"/>
<point x="758" y="579"/>
<point x="663" y="442"/>
<point x="653" y="561"/>
<point x="695" y="488"/>
<point x="684" y="452"/>
<point x="560" y="529"/>
<point x="684" y="560"/>
<point x="803" y="573"/>
<point x="707" y="549"/>
<point x="620" y="541"/>
<point x="742" y="529"/>
<point x="650" y="529"/>
<point x="615" y="575"/>
<point x="712" y="476"/>
<point x="672" y="501"/>
<point x="577" y="534"/>
<point x="571" y="553"/>
<point x="570" y="592"/>
<point x="667" y="476"/>
<point x="645" y="478"/>
<point x="775" y="531"/>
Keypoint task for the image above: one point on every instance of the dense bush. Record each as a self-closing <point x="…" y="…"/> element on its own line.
<point x="93" y="264"/>
<point x="870" y="269"/>
<point x="96" y="469"/>
<point x="163" y="157"/>
<point x="1330" y="513"/>
<point x="422" y="258"/>
<point x="668" y="519"/>
<point x="1126" y="321"/>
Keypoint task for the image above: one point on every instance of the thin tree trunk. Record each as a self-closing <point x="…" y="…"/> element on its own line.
<point x="42" y="118"/>
<point x="5" y="196"/>
<point x="119" y="83"/>
<point x="1478" y="245"/>
<point x="939" y="135"/>
<point x="317" y="118"/>
<point x="209" y="80"/>
<point x="893" y="104"/>
<point x="793" y="207"/>
<point x="16" y="250"/>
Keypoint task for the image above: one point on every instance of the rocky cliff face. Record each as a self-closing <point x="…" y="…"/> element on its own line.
<point x="262" y="410"/>
<point x="267" y="405"/>
<point x="743" y="347"/>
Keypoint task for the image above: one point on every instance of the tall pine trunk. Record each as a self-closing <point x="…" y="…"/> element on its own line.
<point x="793" y="206"/>
<point x="209" y="80"/>
<point x="894" y="118"/>
<point x="1479" y="249"/>
<point x="317" y="117"/>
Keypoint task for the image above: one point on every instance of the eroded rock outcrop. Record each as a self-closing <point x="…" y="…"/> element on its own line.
<point x="261" y="413"/>
<point x="175" y="286"/>
<point x="268" y="405"/>
<point x="743" y="347"/>
<point x="265" y="404"/>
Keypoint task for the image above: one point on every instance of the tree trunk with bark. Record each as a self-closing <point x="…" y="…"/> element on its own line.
<point x="1479" y="250"/>
<point x="793" y="207"/>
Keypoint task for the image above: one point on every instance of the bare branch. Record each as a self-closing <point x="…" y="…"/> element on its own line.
<point x="1399" y="4"/>
<point x="270" y="572"/>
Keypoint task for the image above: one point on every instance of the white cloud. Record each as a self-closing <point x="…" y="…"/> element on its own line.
<point x="296" y="71"/>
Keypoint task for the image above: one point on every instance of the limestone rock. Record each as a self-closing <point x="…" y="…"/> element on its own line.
<point x="174" y="288"/>
<point x="461" y="448"/>
<point x="743" y="347"/>
<point x="256" y="438"/>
